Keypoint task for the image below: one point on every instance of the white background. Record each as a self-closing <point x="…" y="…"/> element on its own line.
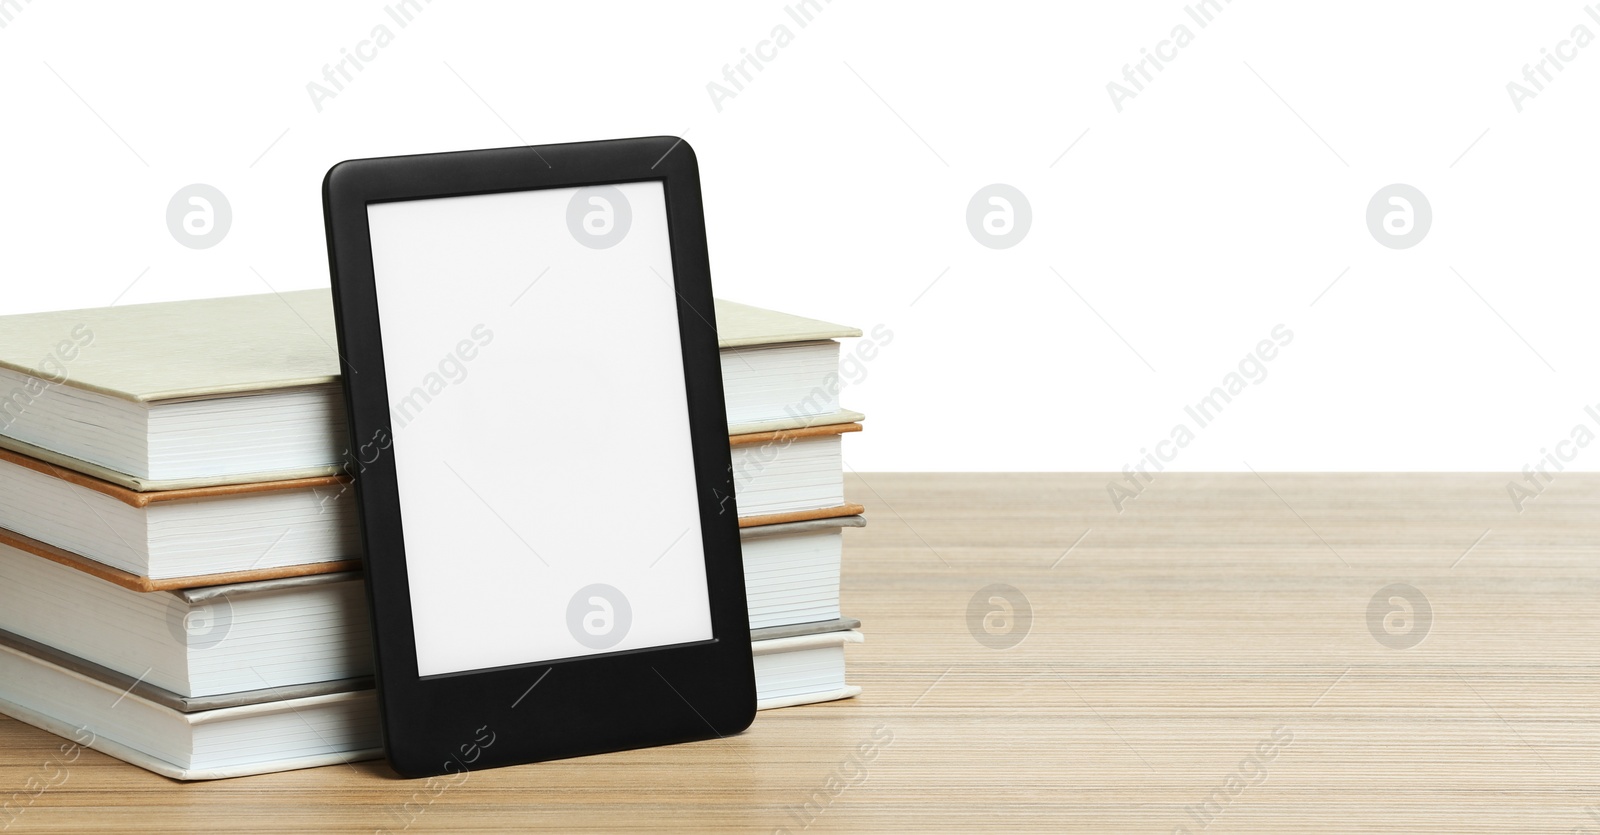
<point x="1220" y="202"/>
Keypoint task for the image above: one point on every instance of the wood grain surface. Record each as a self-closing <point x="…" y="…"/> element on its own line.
<point x="1203" y="661"/>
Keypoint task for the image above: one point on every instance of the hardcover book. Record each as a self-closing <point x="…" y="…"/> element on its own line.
<point x="178" y="395"/>
<point x="281" y="729"/>
<point x="160" y="535"/>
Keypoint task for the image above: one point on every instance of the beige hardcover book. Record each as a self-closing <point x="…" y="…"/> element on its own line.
<point x="149" y="540"/>
<point x="780" y="371"/>
<point x="803" y="669"/>
<point x="791" y="475"/>
<point x="177" y="394"/>
<point x="792" y="571"/>
<point x="169" y="351"/>
<point x="197" y="394"/>
<point x="99" y="709"/>
<point x="174" y="539"/>
<point x="282" y="729"/>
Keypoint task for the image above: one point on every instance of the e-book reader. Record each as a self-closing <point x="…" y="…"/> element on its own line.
<point x="540" y="453"/>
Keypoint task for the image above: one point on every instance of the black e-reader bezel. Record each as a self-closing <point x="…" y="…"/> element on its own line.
<point x="460" y="722"/>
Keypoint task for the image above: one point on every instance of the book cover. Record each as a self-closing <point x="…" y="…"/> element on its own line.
<point x="743" y="325"/>
<point x="308" y="726"/>
<point x="167" y="351"/>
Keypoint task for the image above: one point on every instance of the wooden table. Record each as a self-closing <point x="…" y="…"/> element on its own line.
<point x="1203" y="661"/>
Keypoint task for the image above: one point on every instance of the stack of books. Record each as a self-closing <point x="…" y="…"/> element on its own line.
<point x="780" y="376"/>
<point x="180" y="577"/>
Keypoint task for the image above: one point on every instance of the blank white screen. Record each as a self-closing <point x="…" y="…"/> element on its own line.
<point x="541" y="438"/>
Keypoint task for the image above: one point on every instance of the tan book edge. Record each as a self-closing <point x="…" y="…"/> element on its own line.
<point x="790" y="435"/>
<point x="134" y="498"/>
<point x="797" y="422"/>
<point x="145" y="584"/>
<point x="801" y="515"/>
<point x="831" y="523"/>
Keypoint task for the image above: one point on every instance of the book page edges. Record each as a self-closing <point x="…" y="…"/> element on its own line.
<point x="202" y="717"/>
<point x="147" y="762"/>
<point x="849" y="691"/>
<point x="135" y="582"/>
<point x="136" y="498"/>
<point x="155" y="487"/>
<point x="140" y="583"/>
<point x="128" y="488"/>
